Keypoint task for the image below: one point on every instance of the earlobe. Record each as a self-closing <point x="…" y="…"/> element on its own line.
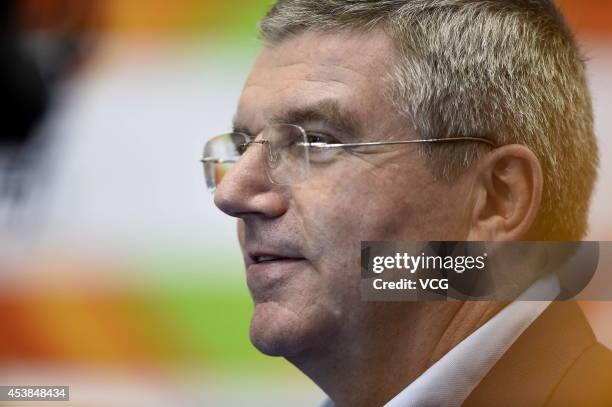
<point x="507" y="196"/>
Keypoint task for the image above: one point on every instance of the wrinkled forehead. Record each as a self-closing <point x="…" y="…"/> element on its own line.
<point x="343" y="72"/>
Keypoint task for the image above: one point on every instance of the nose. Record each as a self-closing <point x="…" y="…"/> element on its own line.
<point x="246" y="189"/>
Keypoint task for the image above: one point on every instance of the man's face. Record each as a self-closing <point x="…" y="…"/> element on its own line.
<point x="307" y="294"/>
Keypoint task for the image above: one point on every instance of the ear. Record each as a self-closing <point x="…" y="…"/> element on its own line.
<point x="507" y="194"/>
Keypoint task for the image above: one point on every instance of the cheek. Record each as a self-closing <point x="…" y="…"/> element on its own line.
<point x="336" y="218"/>
<point x="364" y="208"/>
<point x="371" y="204"/>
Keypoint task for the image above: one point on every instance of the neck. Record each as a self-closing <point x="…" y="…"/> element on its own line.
<point x="388" y="347"/>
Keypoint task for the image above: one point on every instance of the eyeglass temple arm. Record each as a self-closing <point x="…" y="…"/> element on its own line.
<point x="217" y="160"/>
<point x="383" y="143"/>
<point x="349" y="145"/>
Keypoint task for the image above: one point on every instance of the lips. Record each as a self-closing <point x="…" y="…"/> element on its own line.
<point x="271" y="269"/>
<point x="263" y="259"/>
<point x="271" y="256"/>
<point x="276" y="265"/>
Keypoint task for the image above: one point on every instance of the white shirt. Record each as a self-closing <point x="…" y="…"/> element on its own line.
<point x="451" y="379"/>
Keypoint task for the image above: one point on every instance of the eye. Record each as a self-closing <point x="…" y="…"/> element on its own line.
<point x="320" y="138"/>
<point x="317" y="152"/>
<point x="241" y="148"/>
<point x="239" y="141"/>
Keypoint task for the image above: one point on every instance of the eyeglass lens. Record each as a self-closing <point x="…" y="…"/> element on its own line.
<point x="285" y="154"/>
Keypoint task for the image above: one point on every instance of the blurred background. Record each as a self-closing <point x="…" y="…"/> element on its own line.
<point x="118" y="276"/>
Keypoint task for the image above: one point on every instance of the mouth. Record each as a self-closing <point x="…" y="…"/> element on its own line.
<point x="257" y="258"/>
<point x="269" y="258"/>
<point x="272" y="266"/>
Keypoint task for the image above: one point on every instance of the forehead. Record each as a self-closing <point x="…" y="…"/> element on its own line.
<point x="345" y="68"/>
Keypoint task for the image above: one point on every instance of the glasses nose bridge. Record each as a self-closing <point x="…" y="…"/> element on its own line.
<point x="267" y="155"/>
<point x="249" y="143"/>
<point x="249" y="163"/>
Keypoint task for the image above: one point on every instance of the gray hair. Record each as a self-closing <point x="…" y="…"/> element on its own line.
<point x="502" y="69"/>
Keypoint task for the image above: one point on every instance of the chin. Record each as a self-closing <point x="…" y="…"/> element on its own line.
<point x="276" y="330"/>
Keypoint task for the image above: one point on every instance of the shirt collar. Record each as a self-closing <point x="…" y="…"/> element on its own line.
<point x="451" y="379"/>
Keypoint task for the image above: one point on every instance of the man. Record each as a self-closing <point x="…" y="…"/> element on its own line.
<point x="502" y="83"/>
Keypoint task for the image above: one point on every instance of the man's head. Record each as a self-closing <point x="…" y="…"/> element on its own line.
<point x="364" y="71"/>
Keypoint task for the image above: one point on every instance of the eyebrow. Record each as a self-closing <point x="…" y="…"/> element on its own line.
<point x="326" y="111"/>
